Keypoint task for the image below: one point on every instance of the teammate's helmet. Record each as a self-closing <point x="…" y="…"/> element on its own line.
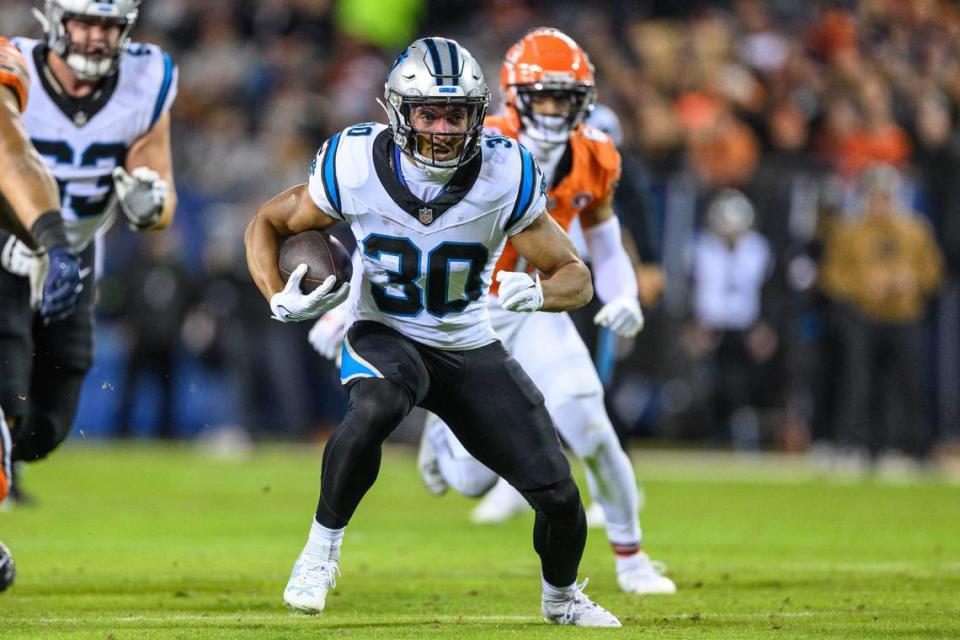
<point x="549" y="61"/>
<point x="436" y="71"/>
<point x="56" y="12"/>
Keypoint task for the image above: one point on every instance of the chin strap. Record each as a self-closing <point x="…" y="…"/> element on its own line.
<point x="437" y="174"/>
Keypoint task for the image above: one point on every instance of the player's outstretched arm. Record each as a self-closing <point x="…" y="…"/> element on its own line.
<point x="289" y="212"/>
<point x="25" y="183"/>
<point x="616" y="280"/>
<point x="31" y="192"/>
<point x="566" y="280"/>
<point x="144" y="185"/>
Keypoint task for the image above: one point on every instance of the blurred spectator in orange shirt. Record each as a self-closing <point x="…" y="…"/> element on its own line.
<point x="834" y="34"/>
<point x="723" y="151"/>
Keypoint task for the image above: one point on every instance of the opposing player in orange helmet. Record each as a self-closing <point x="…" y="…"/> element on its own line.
<point x="545" y="64"/>
<point x="548" y="88"/>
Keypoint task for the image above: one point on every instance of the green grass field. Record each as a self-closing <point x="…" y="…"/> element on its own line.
<point x="145" y="542"/>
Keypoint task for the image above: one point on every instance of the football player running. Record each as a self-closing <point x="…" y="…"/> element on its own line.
<point x="30" y="209"/>
<point x="431" y="202"/>
<point x="548" y="84"/>
<point x="98" y="116"/>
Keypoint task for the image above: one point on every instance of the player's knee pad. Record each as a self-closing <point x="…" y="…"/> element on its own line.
<point x="69" y="349"/>
<point x="78" y="359"/>
<point x="35" y="437"/>
<point x="584" y="425"/>
<point x="558" y="501"/>
<point x="376" y="407"/>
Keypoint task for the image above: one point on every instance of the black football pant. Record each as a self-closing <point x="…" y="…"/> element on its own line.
<point x="42" y="366"/>
<point x="490" y="404"/>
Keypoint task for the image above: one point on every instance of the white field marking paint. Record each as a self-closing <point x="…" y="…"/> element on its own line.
<point x="277" y="617"/>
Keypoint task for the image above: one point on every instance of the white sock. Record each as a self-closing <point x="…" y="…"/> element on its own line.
<point x="629" y="563"/>
<point x="324" y="542"/>
<point x="551" y="592"/>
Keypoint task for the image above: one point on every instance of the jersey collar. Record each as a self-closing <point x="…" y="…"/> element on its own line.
<point x="564" y="166"/>
<point x="426" y="212"/>
<point x="80" y="111"/>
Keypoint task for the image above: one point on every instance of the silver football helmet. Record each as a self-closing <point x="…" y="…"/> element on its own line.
<point x="436" y="71"/>
<point x="57" y="12"/>
<point x="730" y="214"/>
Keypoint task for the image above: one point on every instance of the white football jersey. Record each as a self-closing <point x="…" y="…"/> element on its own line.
<point x="82" y="141"/>
<point x="427" y="266"/>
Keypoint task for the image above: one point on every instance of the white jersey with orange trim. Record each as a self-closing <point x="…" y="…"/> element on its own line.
<point x="427" y="266"/>
<point x="82" y="141"/>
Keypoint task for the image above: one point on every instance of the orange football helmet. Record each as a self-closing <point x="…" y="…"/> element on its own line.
<point x="548" y="62"/>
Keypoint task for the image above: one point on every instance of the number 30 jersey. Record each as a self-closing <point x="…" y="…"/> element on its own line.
<point x="427" y="266"/>
<point x="83" y="140"/>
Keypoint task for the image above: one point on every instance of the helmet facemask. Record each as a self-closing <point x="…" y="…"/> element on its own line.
<point x="553" y="128"/>
<point x="436" y="72"/>
<point x="87" y="65"/>
<point x="421" y="145"/>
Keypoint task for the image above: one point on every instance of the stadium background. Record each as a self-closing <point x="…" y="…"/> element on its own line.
<point x="786" y="100"/>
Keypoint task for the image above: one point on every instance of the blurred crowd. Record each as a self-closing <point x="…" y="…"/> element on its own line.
<point x="790" y="176"/>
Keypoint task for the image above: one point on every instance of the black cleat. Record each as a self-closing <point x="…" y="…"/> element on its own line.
<point x="8" y="571"/>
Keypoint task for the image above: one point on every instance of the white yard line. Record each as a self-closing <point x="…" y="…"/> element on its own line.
<point x="333" y="621"/>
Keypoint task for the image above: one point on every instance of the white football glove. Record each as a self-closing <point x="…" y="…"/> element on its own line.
<point x="622" y="315"/>
<point x="326" y="336"/>
<point x="519" y="292"/>
<point x="292" y="305"/>
<point x="20" y="260"/>
<point x="141" y="196"/>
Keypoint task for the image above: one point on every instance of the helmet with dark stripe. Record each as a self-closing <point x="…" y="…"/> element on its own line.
<point x="436" y="71"/>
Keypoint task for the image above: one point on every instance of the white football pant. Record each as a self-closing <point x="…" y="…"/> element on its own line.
<point x="552" y="353"/>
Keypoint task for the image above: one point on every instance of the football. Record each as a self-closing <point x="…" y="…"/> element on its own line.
<point x="322" y="253"/>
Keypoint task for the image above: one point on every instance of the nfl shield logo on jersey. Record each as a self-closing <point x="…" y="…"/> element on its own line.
<point x="426" y="215"/>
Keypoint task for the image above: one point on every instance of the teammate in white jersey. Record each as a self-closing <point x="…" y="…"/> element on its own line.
<point x="99" y="117"/>
<point x="431" y="202"/>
